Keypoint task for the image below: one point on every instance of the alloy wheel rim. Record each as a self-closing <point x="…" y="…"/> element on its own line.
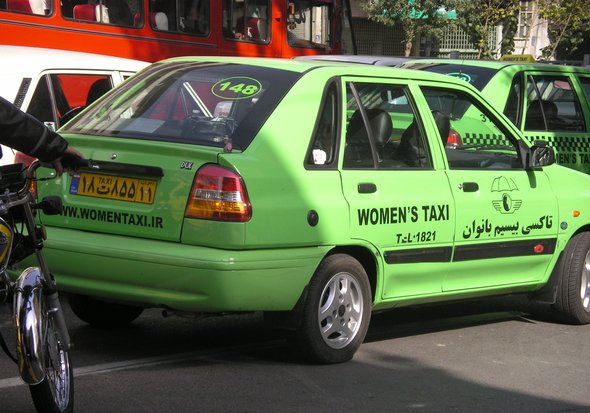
<point x="340" y="310"/>
<point x="585" y="284"/>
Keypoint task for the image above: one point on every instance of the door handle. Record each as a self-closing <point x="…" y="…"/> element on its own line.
<point x="469" y="187"/>
<point x="367" y="188"/>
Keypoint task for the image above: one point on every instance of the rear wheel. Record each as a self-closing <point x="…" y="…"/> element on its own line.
<point x="336" y="312"/>
<point x="573" y="294"/>
<point x="55" y="394"/>
<point x="101" y="313"/>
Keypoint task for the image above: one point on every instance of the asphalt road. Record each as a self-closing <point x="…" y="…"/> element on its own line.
<point x="495" y="355"/>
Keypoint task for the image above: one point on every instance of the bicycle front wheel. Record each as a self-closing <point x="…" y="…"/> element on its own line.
<point x="55" y="394"/>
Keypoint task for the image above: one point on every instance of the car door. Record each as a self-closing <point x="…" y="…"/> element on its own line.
<point x="399" y="202"/>
<point x="505" y="226"/>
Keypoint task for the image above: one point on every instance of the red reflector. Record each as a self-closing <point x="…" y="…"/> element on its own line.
<point x="538" y="249"/>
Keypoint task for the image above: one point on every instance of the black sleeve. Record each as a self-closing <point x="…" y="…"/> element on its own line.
<point x="24" y="133"/>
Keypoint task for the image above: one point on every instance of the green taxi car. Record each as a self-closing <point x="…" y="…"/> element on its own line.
<point x="545" y="101"/>
<point x="313" y="192"/>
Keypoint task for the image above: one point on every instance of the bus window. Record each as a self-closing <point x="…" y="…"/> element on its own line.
<point x="116" y="12"/>
<point x="42" y="7"/>
<point x="308" y="24"/>
<point x="246" y="20"/>
<point x="183" y="16"/>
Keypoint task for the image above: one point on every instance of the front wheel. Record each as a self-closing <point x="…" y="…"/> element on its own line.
<point x="573" y="295"/>
<point x="336" y="311"/>
<point x="55" y="394"/>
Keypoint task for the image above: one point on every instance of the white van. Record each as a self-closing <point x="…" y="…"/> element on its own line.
<point x="54" y="85"/>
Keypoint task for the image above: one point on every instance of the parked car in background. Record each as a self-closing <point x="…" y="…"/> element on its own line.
<point x="313" y="192"/>
<point x="545" y="101"/>
<point x="54" y="85"/>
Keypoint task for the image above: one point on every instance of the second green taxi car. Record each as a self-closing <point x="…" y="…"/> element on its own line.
<point x="545" y="101"/>
<point x="314" y="192"/>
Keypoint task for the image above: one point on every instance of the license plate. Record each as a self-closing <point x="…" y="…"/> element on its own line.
<point x="114" y="187"/>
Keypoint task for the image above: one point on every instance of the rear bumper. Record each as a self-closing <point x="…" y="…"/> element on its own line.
<point x="182" y="277"/>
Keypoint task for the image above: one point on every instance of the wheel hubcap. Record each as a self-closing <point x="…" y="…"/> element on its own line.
<point x="340" y="311"/>
<point x="585" y="283"/>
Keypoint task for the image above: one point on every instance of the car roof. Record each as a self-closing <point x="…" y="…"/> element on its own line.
<point x="336" y="67"/>
<point x="502" y="64"/>
<point x="29" y="61"/>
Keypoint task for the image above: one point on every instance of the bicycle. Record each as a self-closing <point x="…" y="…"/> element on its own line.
<point x="42" y="339"/>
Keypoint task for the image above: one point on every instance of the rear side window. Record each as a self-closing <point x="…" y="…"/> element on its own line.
<point x="382" y="129"/>
<point x="190" y="102"/>
<point x="323" y="149"/>
<point x="552" y="105"/>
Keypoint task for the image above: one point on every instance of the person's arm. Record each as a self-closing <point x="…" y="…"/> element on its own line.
<point x="25" y="133"/>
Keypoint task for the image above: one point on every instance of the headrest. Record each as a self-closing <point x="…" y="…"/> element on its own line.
<point x="443" y="123"/>
<point x="379" y="121"/>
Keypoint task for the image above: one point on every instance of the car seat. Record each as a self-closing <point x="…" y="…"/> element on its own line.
<point x="443" y="124"/>
<point x="19" y="5"/>
<point x="85" y="12"/>
<point x="98" y="88"/>
<point x="358" y="149"/>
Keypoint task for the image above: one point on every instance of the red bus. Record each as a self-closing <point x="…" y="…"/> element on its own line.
<point x="151" y="30"/>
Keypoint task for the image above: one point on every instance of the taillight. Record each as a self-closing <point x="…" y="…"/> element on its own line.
<point x="454" y="139"/>
<point x="219" y="194"/>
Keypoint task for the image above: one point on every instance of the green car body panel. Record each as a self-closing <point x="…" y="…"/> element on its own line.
<point x="419" y="233"/>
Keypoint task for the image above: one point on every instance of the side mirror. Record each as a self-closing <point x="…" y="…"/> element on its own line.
<point x="542" y="154"/>
<point x="537" y="156"/>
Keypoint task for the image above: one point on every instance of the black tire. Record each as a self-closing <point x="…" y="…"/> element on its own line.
<point x="101" y="313"/>
<point x="55" y="394"/>
<point x="336" y="312"/>
<point x="572" y="303"/>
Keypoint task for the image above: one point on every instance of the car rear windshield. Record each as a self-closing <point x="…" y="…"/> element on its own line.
<point x="477" y="76"/>
<point x="189" y="102"/>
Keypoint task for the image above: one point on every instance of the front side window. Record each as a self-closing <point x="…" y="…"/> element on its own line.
<point x="382" y="130"/>
<point x="40" y="7"/>
<point x="474" y="138"/>
<point x="552" y="105"/>
<point x="113" y="12"/>
<point x="246" y="20"/>
<point x="212" y="104"/>
<point x="60" y="96"/>
<point x="309" y="24"/>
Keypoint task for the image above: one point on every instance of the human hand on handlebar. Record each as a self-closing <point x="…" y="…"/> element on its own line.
<point x="61" y="163"/>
